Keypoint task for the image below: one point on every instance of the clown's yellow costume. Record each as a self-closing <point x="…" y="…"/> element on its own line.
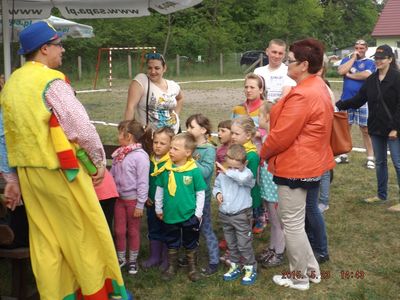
<point x="72" y="251"/>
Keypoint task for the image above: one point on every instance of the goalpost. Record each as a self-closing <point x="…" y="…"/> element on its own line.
<point x="141" y="50"/>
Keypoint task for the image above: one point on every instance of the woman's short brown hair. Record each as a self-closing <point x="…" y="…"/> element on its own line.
<point x="310" y="50"/>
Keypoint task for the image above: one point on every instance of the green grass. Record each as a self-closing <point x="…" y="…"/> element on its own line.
<point x="361" y="237"/>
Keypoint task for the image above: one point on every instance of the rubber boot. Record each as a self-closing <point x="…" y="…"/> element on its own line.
<point x="164" y="258"/>
<point x="172" y="264"/>
<point x="155" y="255"/>
<point x="191" y="256"/>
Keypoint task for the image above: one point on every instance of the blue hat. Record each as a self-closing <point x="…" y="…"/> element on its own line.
<point x="35" y="36"/>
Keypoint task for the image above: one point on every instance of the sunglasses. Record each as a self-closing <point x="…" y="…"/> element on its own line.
<point x="158" y="56"/>
<point x="58" y="44"/>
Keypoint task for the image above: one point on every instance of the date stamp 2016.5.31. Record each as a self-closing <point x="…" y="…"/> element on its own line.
<point x="325" y="274"/>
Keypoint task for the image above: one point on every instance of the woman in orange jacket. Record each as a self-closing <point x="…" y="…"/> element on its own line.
<point x="298" y="153"/>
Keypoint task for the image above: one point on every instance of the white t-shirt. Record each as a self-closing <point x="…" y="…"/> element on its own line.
<point x="161" y="104"/>
<point x="275" y="80"/>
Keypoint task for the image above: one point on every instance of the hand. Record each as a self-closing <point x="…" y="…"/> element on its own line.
<point x="160" y="216"/>
<point x="220" y="167"/>
<point x="149" y="202"/>
<point x="138" y="213"/>
<point x="12" y="195"/>
<point x="99" y="176"/>
<point x="392" y="135"/>
<point x="355" y="55"/>
<point x="220" y="198"/>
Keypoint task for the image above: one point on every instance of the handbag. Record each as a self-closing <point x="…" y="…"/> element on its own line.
<point x="340" y="137"/>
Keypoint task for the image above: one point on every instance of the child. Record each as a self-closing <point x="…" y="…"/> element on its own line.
<point x="243" y="130"/>
<point x="224" y="137"/>
<point x="158" y="249"/>
<point x="179" y="201"/>
<point x="232" y="190"/>
<point x="130" y="169"/>
<point x="254" y="90"/>
<point x="199" y="126"/>
<point x="107" y="194"/>
<point x="273" y="255"/>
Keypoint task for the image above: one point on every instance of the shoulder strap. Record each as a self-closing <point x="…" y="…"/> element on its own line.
<point x="147" y="100"/>
<point x="380" y="97"/>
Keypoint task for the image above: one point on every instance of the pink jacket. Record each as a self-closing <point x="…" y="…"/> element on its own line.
<point x="107" y="188"/>
<point x="298" y="145"/>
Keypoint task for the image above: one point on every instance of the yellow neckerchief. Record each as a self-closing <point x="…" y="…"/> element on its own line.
<point x="189" y="165"/>
<point x="250" y="147"/>
<point x="157" y="162"/>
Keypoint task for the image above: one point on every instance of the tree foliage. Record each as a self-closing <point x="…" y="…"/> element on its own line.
<point x="222" y="26"/>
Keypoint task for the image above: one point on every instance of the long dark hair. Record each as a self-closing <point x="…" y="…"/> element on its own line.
<point x="393" y="63"/>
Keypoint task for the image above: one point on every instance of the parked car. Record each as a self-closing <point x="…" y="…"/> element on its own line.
<point x="250" y="57"/>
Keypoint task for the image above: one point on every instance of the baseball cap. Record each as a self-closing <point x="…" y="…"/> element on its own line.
<point x="36" y="35"/>
<point x="383" y="51"/>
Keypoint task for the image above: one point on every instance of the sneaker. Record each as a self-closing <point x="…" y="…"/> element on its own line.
<point x="370" y="164"/>
<point x="233" y="273"/>
<point x="286" y="282"/>
<point x="258" y="227"/>
<point x="321" y="258"/>
<point x="342" y="159"/>
<point x="275" y="260"/>
<point x="394" y="208"/>
<point x="323" y="207"/>
<point x="209" y="270"/>
<point x="266" y="254"/>
<point x="132" y="268"/>
<point x="314" y="279"/>
<point x="374" y="200"/>
<point x="226" y="258"/>
<point x="122" y="262"/>
<point x="250" y="275"/>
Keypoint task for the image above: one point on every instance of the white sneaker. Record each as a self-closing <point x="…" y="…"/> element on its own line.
<point x="286" y="282"/>
<point x="342" y="159"/>
<point x="315" y="279"/>
<point x="323" y="207"/>
<point x="370" y="164"/>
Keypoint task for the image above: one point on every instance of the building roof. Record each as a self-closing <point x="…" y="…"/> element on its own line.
<point x="389" y="21"/>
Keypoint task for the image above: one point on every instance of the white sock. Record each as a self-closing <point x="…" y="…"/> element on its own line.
<point x="133" y="255"/>
<point x="121" y="255"/>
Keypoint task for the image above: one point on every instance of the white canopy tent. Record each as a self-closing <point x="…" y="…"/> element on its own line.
<point x="81" y="9"/>
<point x="67" y="27"/>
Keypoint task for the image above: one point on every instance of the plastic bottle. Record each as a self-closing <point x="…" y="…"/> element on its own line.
<point x="85" y="160"/>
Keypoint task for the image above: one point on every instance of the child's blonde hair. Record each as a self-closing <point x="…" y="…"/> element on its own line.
<point x="247" y="124"/>
<point x="189" y="140"/>
<point x="166" y="130"/>
<point x="237" y="152"/>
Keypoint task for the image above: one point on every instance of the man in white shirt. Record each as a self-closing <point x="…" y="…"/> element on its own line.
<point x="277" y="82"/>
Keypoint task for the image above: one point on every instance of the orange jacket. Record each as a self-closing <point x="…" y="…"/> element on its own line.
<point x="298" y="145"/>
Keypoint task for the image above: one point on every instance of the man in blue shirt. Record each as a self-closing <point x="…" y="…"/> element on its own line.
<point x="355" y="69"/>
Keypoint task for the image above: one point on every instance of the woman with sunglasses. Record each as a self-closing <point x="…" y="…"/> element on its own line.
<point x="152" y="99"/>
<point x="298" y="153"/>
<point x="381" y="91"/>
